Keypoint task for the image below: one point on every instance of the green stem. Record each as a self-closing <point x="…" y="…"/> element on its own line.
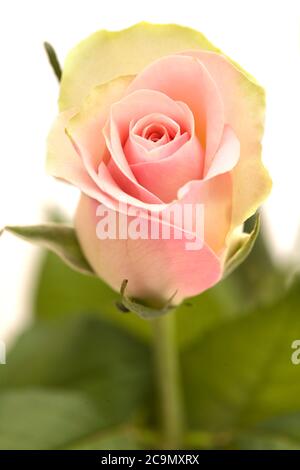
<point x="167" y="370"/>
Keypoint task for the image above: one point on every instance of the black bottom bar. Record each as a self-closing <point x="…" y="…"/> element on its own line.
<point x="134" y="459"/>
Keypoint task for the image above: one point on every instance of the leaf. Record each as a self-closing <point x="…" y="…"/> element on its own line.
<point x="41" y="419"/>
<point x="282" y="433"/>
<point x="59" y="238"/>
<point x="242" y="249"/>
<point x="198" y="315"/>
<point x="118" y="439"/>
<point x="241" y="372"/>
<point x="87" y="355"/>
<point x="265" y="442"/>
<point x="53" y="60"/>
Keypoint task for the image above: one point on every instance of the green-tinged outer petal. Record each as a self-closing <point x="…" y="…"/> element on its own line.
<point x="251" y="180"/>
<point x="84" y="123"/>
<point x="244" y="107"/>
<point x="87" y="124"/>
<point x="106" y="55"/>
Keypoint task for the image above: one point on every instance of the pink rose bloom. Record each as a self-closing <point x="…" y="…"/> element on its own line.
<point x="154" y="116"/>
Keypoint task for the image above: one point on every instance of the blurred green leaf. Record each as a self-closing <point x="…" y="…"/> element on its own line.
<point x="61" y="291"/>
<point x="241" y="372"/>
<point x="198" y="315"/>
<point x="259" y="280"/>
<point x="59" y="238"/>
<point x="83" y="354"/>
<point x="40" y="419"/>
<point x="124" y="439"/>
<point x="262" y="441"/>
<point x="282" y="432"/>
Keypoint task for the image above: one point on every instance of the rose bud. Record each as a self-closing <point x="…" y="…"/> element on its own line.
<point x="154" y="118"/>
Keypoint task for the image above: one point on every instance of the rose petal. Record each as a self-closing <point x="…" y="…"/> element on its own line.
<point x="215" y="195"/>
<point x="186" y="79"/>
<point x="108" y="181"/>
<point x="137" y="153"/>
<point x="63" y="161"/>
<point x="227" y="156"/>
<point x="155" y="269"/>
<point x="86" y="126"/>
<point x="244" y="103"/>
<point x="139" y="148"/>
<point x="165" y="176"/>
<point x="135" y="106"/>
<point x="85" y="130"/>
<point x="106" y="55"/>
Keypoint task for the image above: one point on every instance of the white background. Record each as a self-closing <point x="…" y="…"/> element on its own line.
<point x="262" y="35"/>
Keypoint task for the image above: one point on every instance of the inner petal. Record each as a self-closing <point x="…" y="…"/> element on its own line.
<point x="154" y="130"/>
<point x="156" y="136"/>
<point x="186" y="79"/>
<point x="122" y="143"/>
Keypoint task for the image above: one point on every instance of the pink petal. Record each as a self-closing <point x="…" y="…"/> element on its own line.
<point x="69" y="161"/>
<point x="227" y="156"/>
<point x="186" y="79"/>
<point x="137" y="153"/>
<point x="85" y="133"/>
<point x="244" y="108"/>
<point x="216" y="196"/>
<point x="85" y="127"/>
<point x="155" y="269"/>
<point x="165" y="176"/>
<point x="64" y="162"/>
<point x="110" y="181"/>
<point x="116" y="131"/>
<point x="139" y="149"/>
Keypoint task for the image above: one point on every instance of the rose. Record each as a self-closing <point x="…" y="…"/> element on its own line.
<point x="152" y="116"/>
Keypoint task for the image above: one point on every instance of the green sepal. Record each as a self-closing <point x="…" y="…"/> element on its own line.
<point x="59" y="238"/>
<point x="133" y="305"/>
<point x="242" y="248"/>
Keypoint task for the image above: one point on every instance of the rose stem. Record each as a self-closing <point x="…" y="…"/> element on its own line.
<point x="168" y="378"/>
